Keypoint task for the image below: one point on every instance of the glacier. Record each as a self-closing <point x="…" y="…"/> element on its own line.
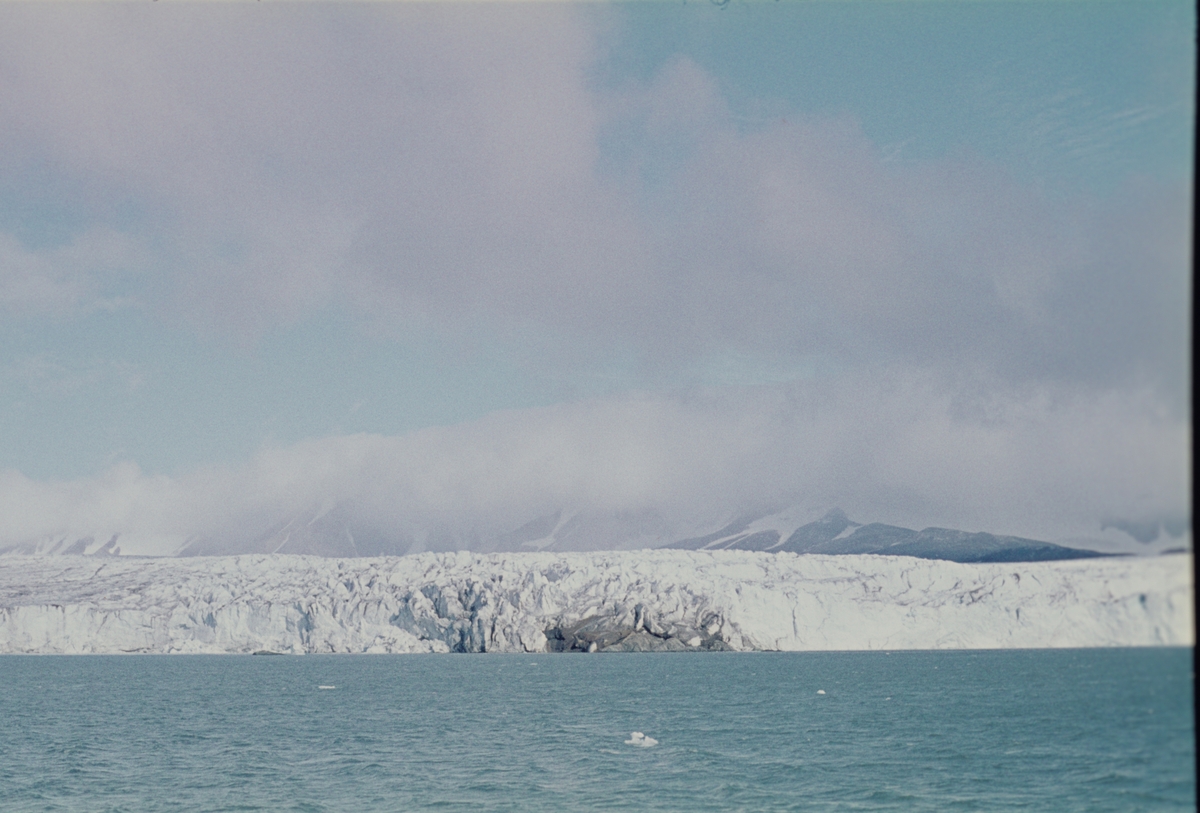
<point x="649" y="600"/>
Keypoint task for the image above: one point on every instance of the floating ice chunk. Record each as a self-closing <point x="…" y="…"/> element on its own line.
<point x="641" y="740"/>
<point x="327" y="687"/>
<point x="820" y="691"/>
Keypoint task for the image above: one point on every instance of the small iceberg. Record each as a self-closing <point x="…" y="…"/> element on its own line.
<point x="641" y="740"/>
<point x="327" y="687"/>
<point x="820" y="691"/>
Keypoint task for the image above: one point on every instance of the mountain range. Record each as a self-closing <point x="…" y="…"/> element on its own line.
<point x="341" y="532"/>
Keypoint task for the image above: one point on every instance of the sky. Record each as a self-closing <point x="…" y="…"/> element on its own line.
<point x="468" y="264"/>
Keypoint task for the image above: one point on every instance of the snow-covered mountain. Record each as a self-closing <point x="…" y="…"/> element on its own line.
<point x="340" y="531"/>
<point x="610" y="601"/>
<point x="835" y="533"/>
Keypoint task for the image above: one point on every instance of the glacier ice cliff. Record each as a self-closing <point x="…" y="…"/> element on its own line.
<point x="649" y="600"/>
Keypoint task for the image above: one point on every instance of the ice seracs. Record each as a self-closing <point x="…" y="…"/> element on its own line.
<point x="631" y="601"/>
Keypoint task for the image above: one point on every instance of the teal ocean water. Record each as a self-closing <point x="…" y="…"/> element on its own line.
<point x="1075" y="730"/>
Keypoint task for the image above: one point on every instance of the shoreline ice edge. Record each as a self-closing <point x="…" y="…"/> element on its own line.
<point x="658" y="600"/>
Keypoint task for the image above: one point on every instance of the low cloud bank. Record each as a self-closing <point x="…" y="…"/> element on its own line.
<point x="904" y="449"/>
<point x="467" y="172"/>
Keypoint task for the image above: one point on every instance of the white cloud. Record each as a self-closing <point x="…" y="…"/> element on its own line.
<point x="459" y="168"/>
<point x="897" y="449"/>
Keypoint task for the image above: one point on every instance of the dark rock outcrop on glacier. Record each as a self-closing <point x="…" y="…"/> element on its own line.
<point x="614" y="633"/>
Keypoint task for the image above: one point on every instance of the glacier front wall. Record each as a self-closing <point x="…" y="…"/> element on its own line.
<point x="521" y="602"/>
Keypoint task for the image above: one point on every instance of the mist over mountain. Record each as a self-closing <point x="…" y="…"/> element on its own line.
<point x="342" y="532"/>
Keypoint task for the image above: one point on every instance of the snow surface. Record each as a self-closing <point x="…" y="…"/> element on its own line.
<point x="667" y="599"/>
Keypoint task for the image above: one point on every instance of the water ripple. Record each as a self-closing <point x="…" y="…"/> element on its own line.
<point x="1096" y="730"/>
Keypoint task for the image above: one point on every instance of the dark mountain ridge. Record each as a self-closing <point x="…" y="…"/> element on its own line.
<point x="836" y="534"/>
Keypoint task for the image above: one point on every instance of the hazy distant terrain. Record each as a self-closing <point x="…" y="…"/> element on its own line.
<point x="338" y="532"/>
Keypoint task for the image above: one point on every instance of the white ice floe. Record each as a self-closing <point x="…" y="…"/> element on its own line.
<point x="636" y="600"/>
<point x="640" y="740"/>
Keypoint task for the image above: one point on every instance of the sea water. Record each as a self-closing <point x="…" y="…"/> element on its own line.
<point x="1066" y="730"/>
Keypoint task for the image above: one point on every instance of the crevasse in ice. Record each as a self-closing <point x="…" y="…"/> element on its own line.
<point x="661" y="600"/>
